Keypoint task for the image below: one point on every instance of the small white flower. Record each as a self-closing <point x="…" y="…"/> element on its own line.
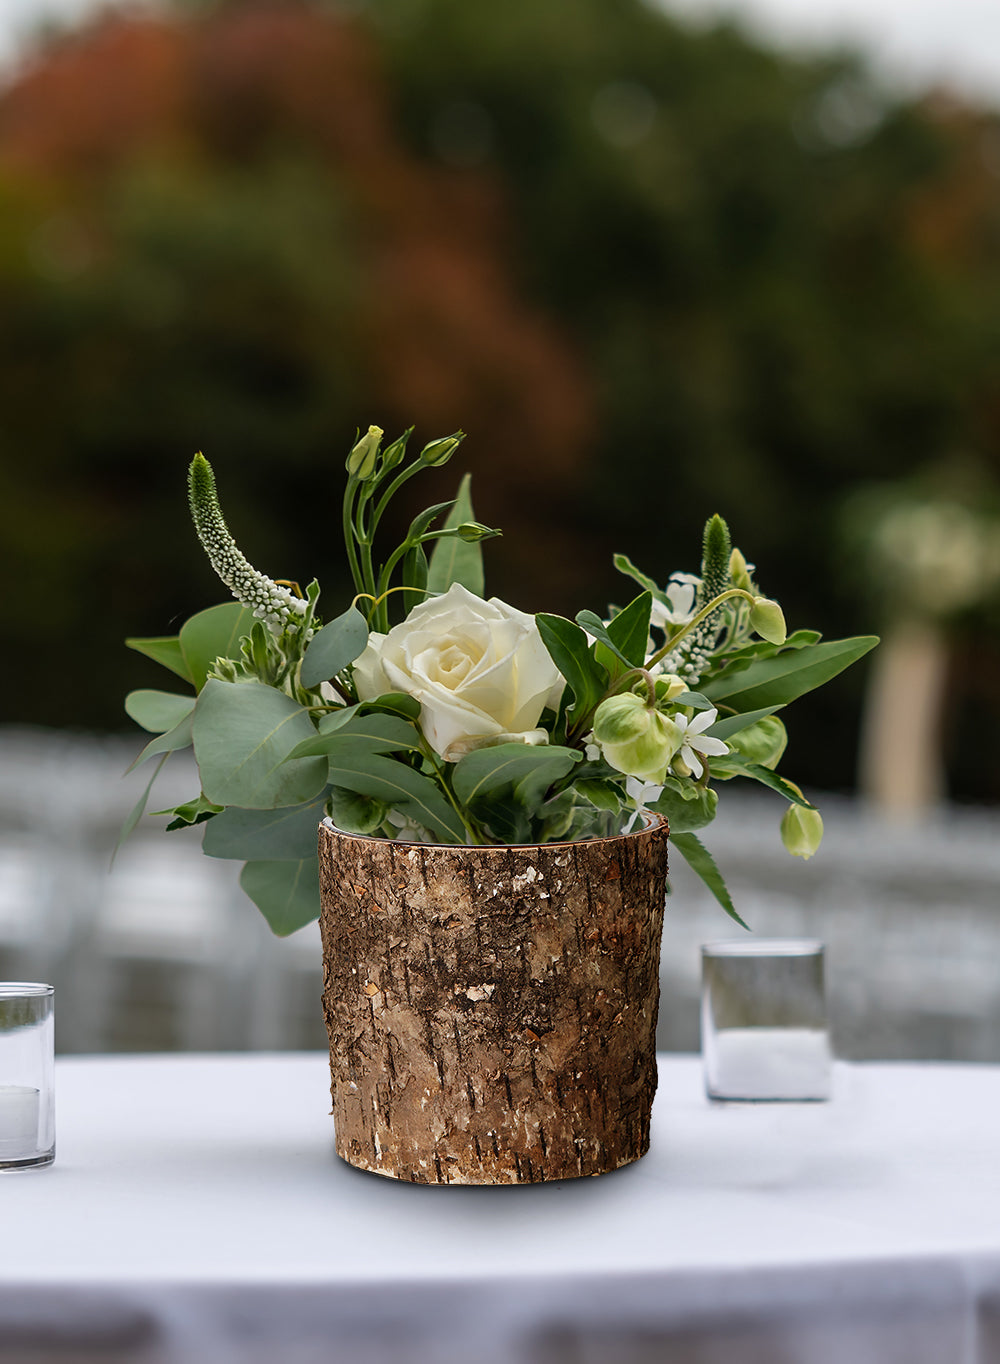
<point x="680" y="593"/>
<point x="695" y="742"/>
<point x="642" y="792"/>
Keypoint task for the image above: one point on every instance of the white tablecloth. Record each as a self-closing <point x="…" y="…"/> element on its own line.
<point x="196" y="1212"/>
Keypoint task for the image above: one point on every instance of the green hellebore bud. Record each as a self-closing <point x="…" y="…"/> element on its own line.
<point x="763" y="742"/>
<point x="738" y="571"/>
<point x="361" y="460"/>
<point x="439" y="452"/>
<point x="634" y="739"/>
<point x="471" y="531"/>
<point x="801" y="830"/>
<point x="767" y="619"/>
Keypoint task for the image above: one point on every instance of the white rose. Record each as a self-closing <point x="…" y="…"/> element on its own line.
<point x="478" y="668"/>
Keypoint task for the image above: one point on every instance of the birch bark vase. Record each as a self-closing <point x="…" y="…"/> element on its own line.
<point x="492" y="1010"/>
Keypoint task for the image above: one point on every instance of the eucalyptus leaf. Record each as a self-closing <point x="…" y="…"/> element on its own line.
<point x="165" y="650"/>
<point x="335" y="646"/>
<point x="286" y="893"/>
<point x="787" y="675"/>
<point x="487" y="769"/>
<point x="400" y="787"/>
<point x="211" y="634"/>
<point x="700" y="860"/>
<point x="285" y="834"/>
<point x="175" y="739"/>
<point x="456" y="560"/>
<point x="366" y="733"/>
<point x="137" y="810"/>
<point x="243" y="733"/>
<point x="158" y="711"/>
<point x="569" y="650"/>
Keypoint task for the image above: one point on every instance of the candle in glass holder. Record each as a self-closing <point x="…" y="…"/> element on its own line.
<point x="27" y="1113"/>
<point x="18" y="1121"/>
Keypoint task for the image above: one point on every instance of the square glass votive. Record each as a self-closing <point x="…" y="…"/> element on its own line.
<point x="764" y="1033"/>
<point x="27" y="1109"/>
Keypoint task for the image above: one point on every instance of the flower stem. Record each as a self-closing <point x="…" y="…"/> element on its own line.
<point x="695" y="621"/>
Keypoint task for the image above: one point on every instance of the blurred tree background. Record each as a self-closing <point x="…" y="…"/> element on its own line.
<point x="653" y="272"/>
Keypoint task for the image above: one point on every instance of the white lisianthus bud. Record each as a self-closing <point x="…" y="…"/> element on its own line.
<point x="361" y="460"/>
<point x="767" y="619"/>
<point x="801" y="830"/>
<point x="635" y="739"/>
<point x="439" y="452"/>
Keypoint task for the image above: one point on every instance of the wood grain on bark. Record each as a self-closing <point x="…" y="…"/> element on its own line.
<point x="492" y="1011"/>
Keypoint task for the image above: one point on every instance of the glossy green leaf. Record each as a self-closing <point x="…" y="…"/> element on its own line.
<point x="456" y="560"/>
<point x="211" y="634"/>
<point x="569" y="650"/>
<point x="354" y="813"/>
<point x="243" y="734"/>
<point x="398" y="786"/>
<point x="195" y="811"/>
<point x="700" y="860"/>
<point x="487" y="769"/>
<point x="625" y="565"/>
<point x="733" y="724"/>
<point x="286" y="893"/>
<point x="629" y="629"/>
<point x="592" y="623"/>
<point x="158" y="711"/>
<point x="686" y="805"/>
<point x="165" y="650"/>
<point x="285" y="834"/>
<point x="335" y="646"/>
<point x="377" y="733"/>
<point x="731" y="766"/>
<point x="777" y="680"/>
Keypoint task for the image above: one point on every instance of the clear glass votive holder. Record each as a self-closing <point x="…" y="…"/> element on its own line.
<point x="764" y="1032"/>
<point x="27" y="1108"/>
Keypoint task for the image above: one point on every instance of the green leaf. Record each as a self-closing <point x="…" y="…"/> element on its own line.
<point x="782" y="678"/>
<point x="694" y="699"/>
<point x="686" y="805"/>
<point x="137" y="810"/>
<point x="165" y="650"/>
<point x="243" y="732"/>
<point x="760" y="648"/>
<point x="625" y="565"/>
<point x="569" y="649"/>
<point x="354" y="813"/>
<point x="392" y="703"/>
<point x="456" y="560"/>
<point x="174" y="739"/>
<point x="332" y="648"/>
<point x="195" y="811"/>
<point x="487" y="769"/>
<point x="732" y="724"/>
<point x="372" y="733"/>
<point x="158" y="711"/>
<point x="286" y="834"/>
<point x="606" y="795"/>
<point x="286" y="893"/>
<point x="730" y="766"/>
<point x="629" y="629"/>
<point x="700" y="860"/>
<point x="400" y="787"/>
<point x="212" y="634"/>
<point x="592" y="623"/>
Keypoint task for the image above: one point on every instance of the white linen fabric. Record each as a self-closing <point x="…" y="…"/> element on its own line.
<point x="196" y="1212"/>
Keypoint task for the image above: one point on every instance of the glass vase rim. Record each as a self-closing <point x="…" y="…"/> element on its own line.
<point x="24" y="989"/>
<point x="763" y="947"/>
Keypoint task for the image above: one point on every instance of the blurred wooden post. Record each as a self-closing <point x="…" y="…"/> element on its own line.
<point x="901" y="766"/>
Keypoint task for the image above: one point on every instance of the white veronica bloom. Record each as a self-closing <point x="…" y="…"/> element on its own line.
<point x="695" y="742"/>
<point x="478" y="668"/>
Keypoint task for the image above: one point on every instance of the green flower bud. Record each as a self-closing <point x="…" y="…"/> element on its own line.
<point x="634" y="739"/>
<point x="393" y="454"/>
<point x="763" y="742"/>
<point x="471" y="531"/>
<point x="361" y="460"/>
<point x="801" y="830"/>
<point x="738" y="571"/>
<point x="439" y="452"/>
<point x="767" y="619"/>
<point x="668" y="686"/>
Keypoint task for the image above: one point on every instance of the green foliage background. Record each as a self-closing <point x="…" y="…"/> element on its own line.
<point x="654" y="272"/>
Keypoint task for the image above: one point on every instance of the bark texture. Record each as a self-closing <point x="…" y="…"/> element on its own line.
<point x="492" y="1011"/>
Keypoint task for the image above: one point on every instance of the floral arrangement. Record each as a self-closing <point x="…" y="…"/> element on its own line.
<point x="424" y="712"/>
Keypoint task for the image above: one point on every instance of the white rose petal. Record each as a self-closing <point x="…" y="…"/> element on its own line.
<point x="478" y="668"/>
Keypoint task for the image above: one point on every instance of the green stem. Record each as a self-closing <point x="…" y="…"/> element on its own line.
<point x="391" y="491"/>
<point x="431" y="757"/>
<point x="349" y="533"/>
<point x="693" y="624"/>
